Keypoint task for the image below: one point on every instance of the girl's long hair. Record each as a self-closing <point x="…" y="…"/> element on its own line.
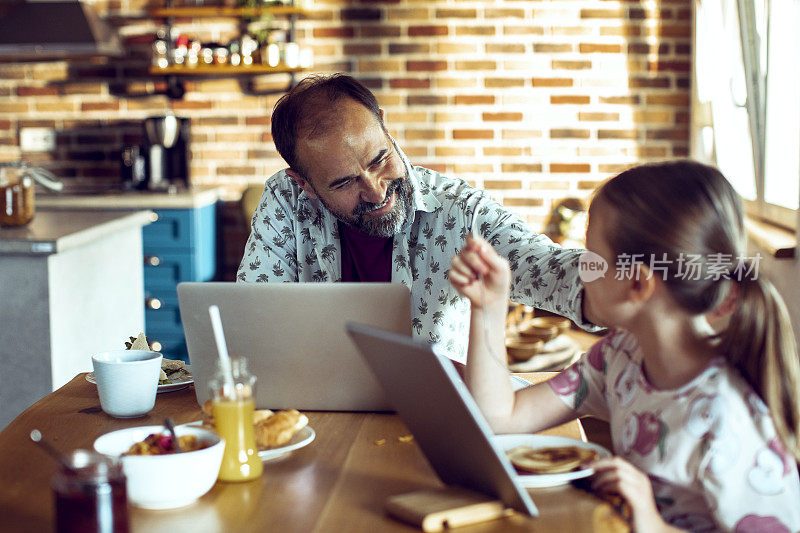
<point x="687" y="217"/>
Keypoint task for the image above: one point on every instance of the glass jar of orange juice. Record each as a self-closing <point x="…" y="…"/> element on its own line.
<point x="233" y="409"/>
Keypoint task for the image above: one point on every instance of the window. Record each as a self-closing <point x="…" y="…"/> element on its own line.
<point x="746" y="108"/>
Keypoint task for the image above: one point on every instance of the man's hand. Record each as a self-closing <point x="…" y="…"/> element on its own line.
<point x="617" y="476"/>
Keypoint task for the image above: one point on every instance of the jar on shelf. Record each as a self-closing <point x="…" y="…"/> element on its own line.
<point x="16" y="196"/>
<point x="193" y="54"/>
<point x="291" y="54"/>
<point x="207" y="54"/>
<point x="271" y="55"/>
<point x="249" y="50"/>
<point x="235" y="53"/>
<point x="181" y="51"/>
<point x="221" y="55"/>
<point x="160" y="49"/>
<point x="306" y="57"/>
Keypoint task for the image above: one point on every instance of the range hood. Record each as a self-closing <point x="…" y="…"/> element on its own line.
<point x="47" y="30"/>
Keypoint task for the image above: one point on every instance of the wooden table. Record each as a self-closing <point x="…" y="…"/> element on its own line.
<point x="337" y="483"/>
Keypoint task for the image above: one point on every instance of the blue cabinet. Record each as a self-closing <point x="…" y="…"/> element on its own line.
<point x="179" y="246"/>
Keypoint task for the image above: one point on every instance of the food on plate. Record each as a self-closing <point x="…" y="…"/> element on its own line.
<point x="172" y="370"/>
<point x="138" y="343"/>
<point x="160" y="444"/>
<point x="279" y="428"/>
<point x="272" y="429"/>
<point x="550" y="460"/>
<point x="259" y="415"/>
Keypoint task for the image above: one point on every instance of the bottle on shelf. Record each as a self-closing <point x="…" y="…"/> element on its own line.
<point x="306" y="57"/>
<point x="273" y="54"/>
<point x="291" y="54"/>
<point x="235" y="52"/>
<point x="160" y="48"/>
<point x="181" y="50"/>
<point x="249" y="50"/>
<point x="261" y="43"/>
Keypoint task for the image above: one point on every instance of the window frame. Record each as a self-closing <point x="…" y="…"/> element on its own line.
<point x="755" y="61"/>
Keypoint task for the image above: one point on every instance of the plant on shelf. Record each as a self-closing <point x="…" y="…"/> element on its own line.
<point x="261" y="28"/>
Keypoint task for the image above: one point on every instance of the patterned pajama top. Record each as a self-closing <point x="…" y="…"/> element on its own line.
<point x="709" y="447"/>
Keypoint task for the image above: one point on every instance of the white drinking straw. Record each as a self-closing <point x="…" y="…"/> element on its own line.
<point x="222" y="349"/>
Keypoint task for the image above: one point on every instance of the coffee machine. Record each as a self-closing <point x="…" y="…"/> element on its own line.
<point x="165" y="152"/>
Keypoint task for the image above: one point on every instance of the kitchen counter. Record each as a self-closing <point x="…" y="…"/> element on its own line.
<point x="71" y="285"/>
<point x="182" y="199"/>
<point x="180" y="245"/>
<point x="58" y="231"/>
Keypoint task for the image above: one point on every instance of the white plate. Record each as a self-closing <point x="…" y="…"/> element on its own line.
<point x="519" y="383"/>
<point x="302" y="438"/>
<point x="507" y="442"/>
<point x="167" y="387"/>
<point x="556" y="354"/>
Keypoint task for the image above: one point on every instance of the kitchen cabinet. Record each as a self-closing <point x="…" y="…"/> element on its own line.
<point x="179" y="245"/>
<point x="71" y="285"/>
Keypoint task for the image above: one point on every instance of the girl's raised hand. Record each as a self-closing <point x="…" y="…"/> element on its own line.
<point x="477" y="260"/>
<point x="617" y="476"/>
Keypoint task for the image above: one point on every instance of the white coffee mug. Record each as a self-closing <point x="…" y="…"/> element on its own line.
<point x="127" y="381"/>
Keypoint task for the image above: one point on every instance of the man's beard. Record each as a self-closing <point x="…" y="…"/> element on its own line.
<point x="387" y="225"/>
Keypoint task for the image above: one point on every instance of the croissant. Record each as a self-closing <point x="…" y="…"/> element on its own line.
<point x="279" y="428"/>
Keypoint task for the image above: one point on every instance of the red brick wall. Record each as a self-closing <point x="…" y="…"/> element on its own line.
<point x="531" y="100"/>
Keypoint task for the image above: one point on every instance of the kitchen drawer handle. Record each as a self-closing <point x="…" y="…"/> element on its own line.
<point x="152" y="260"/>
<point x="155" y="346"/>
<point x="154" y="217"/>
<point x="153" y="303"/>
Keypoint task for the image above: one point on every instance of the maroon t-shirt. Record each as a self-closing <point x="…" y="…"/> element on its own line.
<point x="364" y="257"/>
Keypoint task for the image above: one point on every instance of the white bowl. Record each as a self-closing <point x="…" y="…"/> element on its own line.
<point x="165" y="481"/>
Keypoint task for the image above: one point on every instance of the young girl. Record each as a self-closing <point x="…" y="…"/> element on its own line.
<point x="706" y="428"/>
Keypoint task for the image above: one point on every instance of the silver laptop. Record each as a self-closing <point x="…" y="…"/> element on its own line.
<point x="294" y="338"/>
<point x="435" y="404"/>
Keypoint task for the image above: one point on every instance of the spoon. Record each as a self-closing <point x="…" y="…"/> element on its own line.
<point x="36" y="436"/>
<point x="170" y="425"/>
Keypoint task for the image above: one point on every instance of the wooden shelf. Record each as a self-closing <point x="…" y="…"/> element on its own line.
<point x="225" y="70"/>
<point x="216" y="12"/>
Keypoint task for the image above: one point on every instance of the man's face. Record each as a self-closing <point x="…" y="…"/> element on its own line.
<point x="356" y="172"/>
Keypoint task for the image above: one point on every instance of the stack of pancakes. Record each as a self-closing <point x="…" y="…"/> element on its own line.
<point x="552" y="460"/>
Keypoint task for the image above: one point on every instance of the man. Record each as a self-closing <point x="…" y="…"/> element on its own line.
<point x="351" y="207"/>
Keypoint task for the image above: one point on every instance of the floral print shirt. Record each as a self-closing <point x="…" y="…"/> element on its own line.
<point x="294" y="238"/>
<point x="709" y="447"/>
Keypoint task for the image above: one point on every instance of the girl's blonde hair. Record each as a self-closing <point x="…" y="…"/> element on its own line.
<point x="687" y="217"/>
